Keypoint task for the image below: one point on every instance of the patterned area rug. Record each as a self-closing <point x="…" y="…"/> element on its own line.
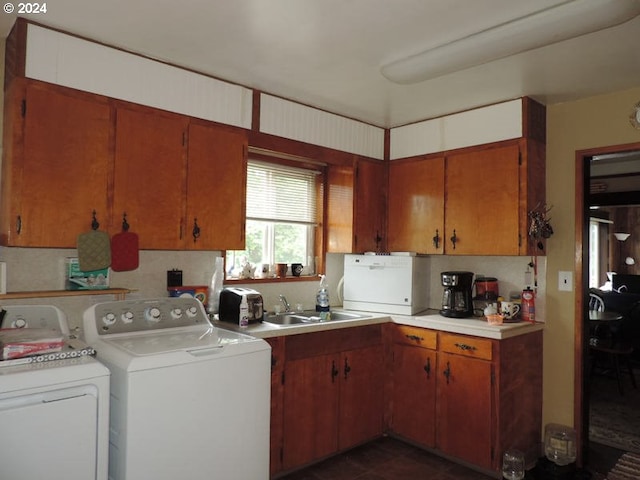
<point x="627" y="468"/>
<point x="614" y="419"/>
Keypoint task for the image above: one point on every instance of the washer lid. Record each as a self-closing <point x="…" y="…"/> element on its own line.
<point x="164" y="341"/>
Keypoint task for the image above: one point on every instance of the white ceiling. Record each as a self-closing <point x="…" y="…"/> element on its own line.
<point x="328" y="53"/>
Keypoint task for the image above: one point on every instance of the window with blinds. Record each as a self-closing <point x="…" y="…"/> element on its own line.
<point x="282" y="217"/>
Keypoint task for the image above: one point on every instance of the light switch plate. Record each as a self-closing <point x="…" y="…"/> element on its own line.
<point x="565" y="281"/>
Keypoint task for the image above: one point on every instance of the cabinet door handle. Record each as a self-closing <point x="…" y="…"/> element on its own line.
<point x="436" y="239"/>
<point x="427" y="368"/>
<point x="196" y="230"/>
<point x="415" y="338"/>
<point x="347" y="368"/>
<point x="454" y="239"/>
<point x="378" y="240"/>
<point x="464" y="346"/>
<point x="19" y="225"/>
<point x="334" y="371"/>
<point x="447" y="372"/>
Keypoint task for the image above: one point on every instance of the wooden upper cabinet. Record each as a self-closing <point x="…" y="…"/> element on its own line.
<point x="483" y="202"/>
<point x="339" y="216"/>
<point x="370" y="206"/>
<point x="150" y="176"/>
<point x="356" y="207"/>
<point x="216" y="186"/>
<point x="57" y="164"/>
<point x="416" y="205"/>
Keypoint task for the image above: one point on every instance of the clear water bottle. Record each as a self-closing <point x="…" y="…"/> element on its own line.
<point x="322" y="297"/>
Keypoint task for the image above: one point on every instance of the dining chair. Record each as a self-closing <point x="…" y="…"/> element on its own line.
<point x="596" y="302"/>
<point x="614" y="347"/>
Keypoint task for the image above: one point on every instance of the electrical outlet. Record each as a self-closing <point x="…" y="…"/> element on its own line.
<point x="565" y="281"/>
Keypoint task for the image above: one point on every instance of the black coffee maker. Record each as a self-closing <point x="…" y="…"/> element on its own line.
<point x="456" y="300"/>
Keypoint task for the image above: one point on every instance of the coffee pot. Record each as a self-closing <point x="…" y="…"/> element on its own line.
<point x="456" y="299"/>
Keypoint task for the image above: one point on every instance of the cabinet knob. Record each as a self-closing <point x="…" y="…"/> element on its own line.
<point x="454" y="239"/>
<point x="427" y="368"/>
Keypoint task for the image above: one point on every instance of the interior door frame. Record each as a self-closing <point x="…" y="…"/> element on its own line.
<point x="581" y="393"/>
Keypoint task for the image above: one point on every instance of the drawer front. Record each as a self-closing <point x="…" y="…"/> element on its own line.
<point x="329" y="342"/>
<point x="416" y="336"/>
<point x="468" y="346"/>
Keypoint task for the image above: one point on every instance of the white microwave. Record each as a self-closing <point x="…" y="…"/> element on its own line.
<point x="396" y="284"/>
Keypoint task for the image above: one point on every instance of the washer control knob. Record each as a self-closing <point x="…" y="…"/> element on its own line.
<point x="109" y="319"/>
<point x="20" y="323"/>
<point x="176" y="313"/>
<point x="152" y="314"/>
<point x="127" y="317"/>
<point x="192" y="311"/>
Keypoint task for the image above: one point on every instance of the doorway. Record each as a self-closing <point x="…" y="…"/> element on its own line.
<point x="584" y="200"/>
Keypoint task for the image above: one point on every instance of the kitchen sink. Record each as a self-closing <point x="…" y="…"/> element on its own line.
<point x="286" y="319"/>
<point x="309" y="316"/>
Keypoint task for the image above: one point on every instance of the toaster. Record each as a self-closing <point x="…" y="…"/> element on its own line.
<point x="230" y="299"/>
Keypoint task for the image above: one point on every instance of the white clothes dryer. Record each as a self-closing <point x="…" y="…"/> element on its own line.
<point x="54" y="408"/>
<point x="188" y="400"/>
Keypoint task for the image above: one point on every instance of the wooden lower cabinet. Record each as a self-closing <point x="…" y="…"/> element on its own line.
<point x="468" y="397"/>
<point x="277" y="395"/>
<point x="414" y="370"/>
<point x="361" y="399"/>
<point x="482" y="396"/>
<point x="333" y="393"/>
<point x="463" y="411"/>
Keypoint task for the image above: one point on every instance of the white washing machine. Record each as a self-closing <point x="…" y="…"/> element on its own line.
<point x="54" y="408"/>
<point x="188" y="400"/>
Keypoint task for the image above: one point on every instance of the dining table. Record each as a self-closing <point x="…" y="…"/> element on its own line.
<point x="605" y="316"/>
<point x="601" y="323"/>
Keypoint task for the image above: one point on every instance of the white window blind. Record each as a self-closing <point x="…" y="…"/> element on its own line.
<point x="278" y="193"/>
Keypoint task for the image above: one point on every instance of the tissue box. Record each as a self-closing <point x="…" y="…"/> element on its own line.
<point x="76" y="279"/>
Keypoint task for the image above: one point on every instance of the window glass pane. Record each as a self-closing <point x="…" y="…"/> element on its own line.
<point x="290" y="243"/>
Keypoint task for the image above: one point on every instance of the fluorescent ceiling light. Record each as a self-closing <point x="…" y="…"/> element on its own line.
<point x="568" y="20"/>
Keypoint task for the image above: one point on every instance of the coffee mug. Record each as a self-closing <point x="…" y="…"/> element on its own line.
<point x="509" y="309"/>
<point x="296" y="269"/>
<point x="264" y="270"/>
<point x="281" y="269"/>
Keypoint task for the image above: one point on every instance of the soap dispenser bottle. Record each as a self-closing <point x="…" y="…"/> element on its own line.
<point x="244" y="312"/>
<point x="322" y="297"/>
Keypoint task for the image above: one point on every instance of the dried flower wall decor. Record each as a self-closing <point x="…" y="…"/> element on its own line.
<point x="540" y="226"/>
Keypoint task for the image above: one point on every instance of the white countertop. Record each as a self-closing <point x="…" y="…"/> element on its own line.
<point x="478" y="327"/>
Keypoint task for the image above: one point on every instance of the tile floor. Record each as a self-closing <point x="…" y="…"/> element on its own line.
<point x="391" y="459"/>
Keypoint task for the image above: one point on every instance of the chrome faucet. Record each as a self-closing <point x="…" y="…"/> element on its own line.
<point x="287" y="307"/>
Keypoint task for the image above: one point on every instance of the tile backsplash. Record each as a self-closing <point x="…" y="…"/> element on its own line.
<point x="33" y="269"/>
